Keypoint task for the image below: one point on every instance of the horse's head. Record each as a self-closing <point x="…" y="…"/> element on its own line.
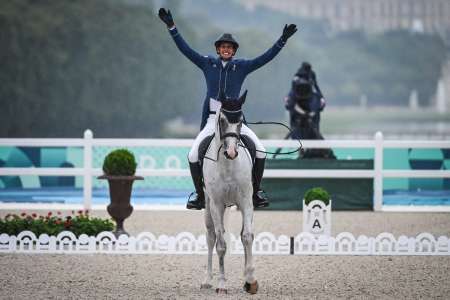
<point x="228" y="125"/>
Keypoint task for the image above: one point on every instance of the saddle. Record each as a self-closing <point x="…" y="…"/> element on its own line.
<point x="246" y="140"/>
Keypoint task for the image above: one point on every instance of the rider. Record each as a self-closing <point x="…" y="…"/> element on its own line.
<point x="305" y="71"/>
<point x="224" y="76"/>
<point x="306" y="92"/>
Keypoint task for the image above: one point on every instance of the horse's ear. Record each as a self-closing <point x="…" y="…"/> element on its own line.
<point x="242" y="97"/>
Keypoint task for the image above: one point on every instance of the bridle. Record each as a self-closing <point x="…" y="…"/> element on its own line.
<point x="231" y="117"/>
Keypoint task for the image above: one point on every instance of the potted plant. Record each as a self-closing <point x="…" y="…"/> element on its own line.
<point x="119" y="168"/>
<point x="317" y="211"/>
<point x="317" y="193"/>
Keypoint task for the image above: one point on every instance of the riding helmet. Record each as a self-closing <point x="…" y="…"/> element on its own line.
<point x="226" y="38"/>
<point x="306" y="66"/>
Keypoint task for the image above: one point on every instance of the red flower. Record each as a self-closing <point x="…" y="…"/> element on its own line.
<point x="34" y="215"/>
<point x="80" y="212"/>
<point x="57" y="222"/>
<point x="49" y="214"/>
<point x="23" y="214"/>
<point x="59" y="213"/>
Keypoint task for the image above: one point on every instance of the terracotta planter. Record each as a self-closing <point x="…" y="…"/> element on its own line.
<point x="120" y="193"/>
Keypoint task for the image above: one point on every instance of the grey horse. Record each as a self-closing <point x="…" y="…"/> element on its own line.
<point x="228" y="181"/>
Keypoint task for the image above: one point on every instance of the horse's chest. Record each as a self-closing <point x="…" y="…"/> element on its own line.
<point x="229" y="185"/>
<point x="230" y="193"/>
<point x="225" y="182"/>
<point x="225" y="179"/>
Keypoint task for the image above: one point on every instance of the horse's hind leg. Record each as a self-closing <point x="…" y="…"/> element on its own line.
<point x="217" y="212"/>
<point x="251" y="285"/>
<point x="211" y="240"/>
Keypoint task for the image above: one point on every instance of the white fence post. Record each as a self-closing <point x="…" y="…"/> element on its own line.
<point x="378" y="177"/>
<point x="87" y="185"/>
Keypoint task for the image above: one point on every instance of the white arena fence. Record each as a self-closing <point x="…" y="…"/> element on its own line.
<point x="265" y="243"/>
<point x="378" y="144"/>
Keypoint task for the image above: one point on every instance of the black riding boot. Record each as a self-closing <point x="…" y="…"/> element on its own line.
<point x="259" y="198"/>
<point x="196" y="199"/>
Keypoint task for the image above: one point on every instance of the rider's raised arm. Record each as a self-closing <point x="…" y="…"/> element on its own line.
<point x="258" y="62"/>
<point x="267" y="56"/>
<point x="166" y="17"/>
<point x="198" y="59"/>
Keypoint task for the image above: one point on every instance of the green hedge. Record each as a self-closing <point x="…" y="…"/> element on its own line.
<point x="120" y="162"/>
<point x="51" y="224"/>
<point x="317" y="193"/>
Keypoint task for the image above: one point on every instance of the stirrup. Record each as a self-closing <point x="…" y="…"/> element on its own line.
<point x="197" y="202"/>
<point x="260" y="199"/>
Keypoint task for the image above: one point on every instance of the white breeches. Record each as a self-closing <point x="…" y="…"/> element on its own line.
<point x="209" y="130"/>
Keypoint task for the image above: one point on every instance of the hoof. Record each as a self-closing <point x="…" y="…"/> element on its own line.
<point x="221" y="291"/>
<point x="251" y="288"/>
<point x="205" y="286"/>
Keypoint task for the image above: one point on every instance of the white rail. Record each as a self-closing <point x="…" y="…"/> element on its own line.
<point x="186" y="243"/>
<point x="88" y="142"/>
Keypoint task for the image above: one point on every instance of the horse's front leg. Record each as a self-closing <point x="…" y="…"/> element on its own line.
<point x="211" y="240"/>
<point x="217" y="213"/>
<point x="251" y="285"/>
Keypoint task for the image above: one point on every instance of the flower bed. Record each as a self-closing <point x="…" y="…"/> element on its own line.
<point x="52" y="224"/>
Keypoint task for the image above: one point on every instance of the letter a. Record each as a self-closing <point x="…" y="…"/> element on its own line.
<point x="316" y="223"/>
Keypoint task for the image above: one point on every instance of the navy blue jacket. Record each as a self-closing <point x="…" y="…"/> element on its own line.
<point x="226" y="79"/>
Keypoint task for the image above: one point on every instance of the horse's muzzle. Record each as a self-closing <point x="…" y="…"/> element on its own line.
<point x="228" y="156"/>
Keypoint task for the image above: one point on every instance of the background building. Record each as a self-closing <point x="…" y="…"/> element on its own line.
<point x="375" y="16"/>
<point x="429" y="16"/>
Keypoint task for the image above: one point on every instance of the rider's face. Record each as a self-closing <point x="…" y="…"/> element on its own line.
<point x="226" y="51"/>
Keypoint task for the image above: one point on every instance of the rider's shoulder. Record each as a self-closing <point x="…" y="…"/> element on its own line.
<point x="210" y="58"/>
<point x="240" y="61"/>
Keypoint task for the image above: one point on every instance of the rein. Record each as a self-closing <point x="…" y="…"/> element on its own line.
<point x="299" y="149"/>
<point x="212" y="159"/>
<point x="232" y="134"/>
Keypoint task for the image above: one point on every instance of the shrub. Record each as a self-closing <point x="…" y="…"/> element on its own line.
<point x="119" y="162"/>
<point x="50" y="224"/>
<point x="317" y="193"/>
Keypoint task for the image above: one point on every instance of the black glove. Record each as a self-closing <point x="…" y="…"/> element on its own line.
<point x="288" y="31"/>
<point x="166" y="17"/>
